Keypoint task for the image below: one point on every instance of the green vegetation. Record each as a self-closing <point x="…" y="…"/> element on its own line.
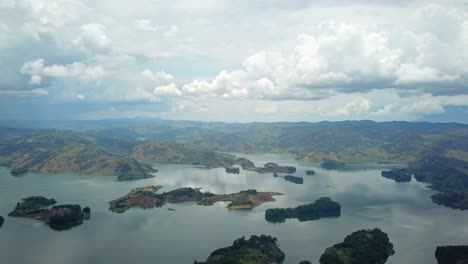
<point x="269" y="167"/>
<point x="233" y="170"/>
<point x="322" y="207"/>
<point x="147" y="197"/>
<point x="310" y="172"/>
<point x="361" y="247"/>
<point x="453" y="199"/>
<point x="63" y="151"/>
<point x="452" y="255"/>
<point x="398" y="175"/>
<point x="171" y="152"/>
<point x="256" y="250"/>
<point x="332" y="165"/>
<point x="447" y="175"/>
<point x="2" y="221"/>
<point x="294" y="179"/>
<point x="61" y="217"/>
<point x="19" y="171"/>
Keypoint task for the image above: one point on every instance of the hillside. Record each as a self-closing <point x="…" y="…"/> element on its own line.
<point x="346" y="141"/>
<point x="171" y="152"/>
<point x="64" y="151"/>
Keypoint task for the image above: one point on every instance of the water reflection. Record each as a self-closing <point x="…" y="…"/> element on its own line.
<point x="415" y="225"/>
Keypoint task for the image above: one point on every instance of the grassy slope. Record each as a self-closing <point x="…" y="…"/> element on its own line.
<point x="181" y="153"/>
<point x="64" y="151"/>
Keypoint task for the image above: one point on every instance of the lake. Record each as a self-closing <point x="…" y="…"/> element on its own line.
<point x="415" y="225"/>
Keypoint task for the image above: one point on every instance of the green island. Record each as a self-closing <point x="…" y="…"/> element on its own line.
<point x="321" y="208"/>
<point x="232" y="170"/>
<point x="310" y="172"/>
<point x="147" y="197"/>
<point x="294" y="179"/>
<point x="269" y="167"/>
<point x="332" y="164"/>
<point x="19" y="171"/>
<point x="2" y="221"/>
<point x="59" y="151"/>
<point x="60" y="217"/>
<point x="255" y="250"/>
<point x="452" y="254"/>
<point x="398" y="175"/>
<point x="361" y="247"/>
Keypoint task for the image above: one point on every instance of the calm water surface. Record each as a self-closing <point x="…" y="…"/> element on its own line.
<point x="404" y="210"/>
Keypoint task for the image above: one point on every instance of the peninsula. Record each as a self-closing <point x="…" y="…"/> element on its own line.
<point x="147" y="197"/>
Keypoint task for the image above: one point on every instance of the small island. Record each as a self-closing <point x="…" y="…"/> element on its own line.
<point x="398" y="175"/>
<point x="147" y="197"/>
<point x="310" y="172"/>
<point x="60" y="217"/>
<point x="256" y="250"/>
<point x="321" y="208"/>
<point x="452" y="199"/>
<point x="269" y="167"/>
<point x="2" y="221"/>
<point x="294" y="179"/>
<point x="361" y="247"/>
<point x="332" y="165"/>
<point x="20" y="171"/>
<point x="452" y="254"/>
<point x="233" y="170"/>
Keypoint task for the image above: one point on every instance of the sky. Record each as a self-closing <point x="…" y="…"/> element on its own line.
<point x="234" y="61"/>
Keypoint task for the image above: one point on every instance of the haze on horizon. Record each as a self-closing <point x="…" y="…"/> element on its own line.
<point x="234" y="61"/>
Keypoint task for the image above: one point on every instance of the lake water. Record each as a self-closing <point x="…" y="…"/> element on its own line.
<point x="403" y="210"/>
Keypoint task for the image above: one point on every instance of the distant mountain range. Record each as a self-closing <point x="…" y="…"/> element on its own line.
<point x="117" y="148"/>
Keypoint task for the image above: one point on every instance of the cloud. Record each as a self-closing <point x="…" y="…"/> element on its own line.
<point x="146" y="25"/>
<point x="93" y="36"/>
<point x="52" y="12"/>
<point x="167" y="90"/>
<point x="160" y="77"/>
<point x="33" y="92"/>
<point x="37" y="68"/>
<point x="347" y="58"/>
<point x="283" y="61"/>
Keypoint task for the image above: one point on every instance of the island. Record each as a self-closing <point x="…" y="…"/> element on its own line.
<point x="398" y="175"/>
<point x="2" y="221"/>
<point x="233" y="170"/>
<point x="60" y="217"/>
<point x="321" y="208"/>
<point x="19" y="171"/>
<point x="147" y="197"/>
<point x="256" y="250"/>
<point x="361" y="247"/>
<point x="332" y="165"/>
<point x="452" y="254"/>
<point x="294" y="179"/>
<point x="269" y="167"/>
<point x="310" y="172"/>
